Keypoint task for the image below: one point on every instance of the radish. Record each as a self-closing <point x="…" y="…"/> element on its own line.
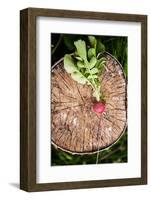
<point x="98" y="107"/>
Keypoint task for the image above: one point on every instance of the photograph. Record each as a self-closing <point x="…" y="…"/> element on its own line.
<point x="89" y="77"/>
<point x="83" y="93"/>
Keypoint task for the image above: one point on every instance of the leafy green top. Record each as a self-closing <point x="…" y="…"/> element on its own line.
<point x="85" y="66"/>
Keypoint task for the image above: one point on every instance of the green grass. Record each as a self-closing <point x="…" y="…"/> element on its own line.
<point x="117" y="46"/>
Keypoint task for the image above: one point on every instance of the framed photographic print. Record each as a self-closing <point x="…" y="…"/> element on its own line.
<point x="83" y="92"/>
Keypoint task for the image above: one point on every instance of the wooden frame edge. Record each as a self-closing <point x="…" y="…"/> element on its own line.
<point x="144" y="99"/>
<point x="24" y="182"/>
<point x="28" y="99"/>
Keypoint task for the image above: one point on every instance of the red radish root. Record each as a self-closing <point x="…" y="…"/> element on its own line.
<point x="98" y="107"/>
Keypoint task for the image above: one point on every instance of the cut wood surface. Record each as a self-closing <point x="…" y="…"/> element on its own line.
<point x="75" y="128"/>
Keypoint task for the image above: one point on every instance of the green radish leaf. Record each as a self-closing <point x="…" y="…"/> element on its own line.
<point x="80" y="64"/>
<point x="94" y="76"/>
<point x="94" y="71"/>
<point x="100" y="47"/>
<point x="92" y="41"/>
<point x="101" y="67"/>
<point x="100" y="62"/>
<point x="69" y="64"/>
<point x="78" y="58"/>
<point x="86" y="71"/>
<point x="91" y="53"/>
<point x="81" y="49"/>
<point x="79" y="78"/>
<point x="92" y="62"/>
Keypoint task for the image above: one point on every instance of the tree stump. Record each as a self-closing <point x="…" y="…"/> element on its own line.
<point x="75" y="127"/>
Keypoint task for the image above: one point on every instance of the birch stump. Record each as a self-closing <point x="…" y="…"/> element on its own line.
<point x="75" y="128"/>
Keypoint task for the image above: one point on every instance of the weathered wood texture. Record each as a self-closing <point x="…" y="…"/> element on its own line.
<point x="75" y="127"/>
